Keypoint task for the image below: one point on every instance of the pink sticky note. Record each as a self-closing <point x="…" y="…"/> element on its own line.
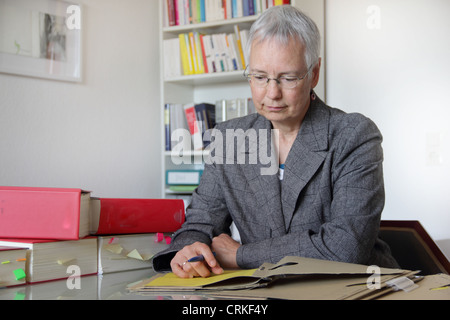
<point x="159" y="237"/>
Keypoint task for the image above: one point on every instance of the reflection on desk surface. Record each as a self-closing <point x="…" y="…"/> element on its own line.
<point x="111" y="286"/>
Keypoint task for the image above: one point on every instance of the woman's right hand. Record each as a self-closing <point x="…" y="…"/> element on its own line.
<point x="184" y="269"/>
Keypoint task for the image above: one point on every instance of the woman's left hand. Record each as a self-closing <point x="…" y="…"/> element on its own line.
<point x="225" y="248"/>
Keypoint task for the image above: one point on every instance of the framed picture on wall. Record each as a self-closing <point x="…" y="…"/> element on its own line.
<point x="41" y="38"/>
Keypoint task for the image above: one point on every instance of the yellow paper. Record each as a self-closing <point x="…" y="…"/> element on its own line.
<point x="172" y="280"/>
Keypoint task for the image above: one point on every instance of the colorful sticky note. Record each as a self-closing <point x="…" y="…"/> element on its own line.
<point x="66" y="262"/>
<point x="19" y="274"/>
<point x="113" y="240"/>
<point x="135" y="255"/>
<point x="159" y="237"/>
<point x="146" y="257"/>
<point x="114" y="248"/>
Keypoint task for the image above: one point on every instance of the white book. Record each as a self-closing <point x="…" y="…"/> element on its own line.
<point x="172" y="60"/>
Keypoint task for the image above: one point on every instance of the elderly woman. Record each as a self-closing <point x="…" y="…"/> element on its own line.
<point x="327" y="203"/>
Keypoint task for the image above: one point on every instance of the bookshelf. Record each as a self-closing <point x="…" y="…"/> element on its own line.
<point x="210" y="87"/>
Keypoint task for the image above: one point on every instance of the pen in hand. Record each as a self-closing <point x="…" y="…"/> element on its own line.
<point x="199" y="258"/>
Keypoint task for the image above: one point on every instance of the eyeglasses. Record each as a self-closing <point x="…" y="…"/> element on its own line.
<point x="262" y="80"/>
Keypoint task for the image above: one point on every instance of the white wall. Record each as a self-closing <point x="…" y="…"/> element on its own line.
<point x="389" y="59"/>
<point x="101" y="135"/>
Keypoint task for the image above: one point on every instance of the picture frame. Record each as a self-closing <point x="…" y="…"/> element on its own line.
<point x="41" y="38"/>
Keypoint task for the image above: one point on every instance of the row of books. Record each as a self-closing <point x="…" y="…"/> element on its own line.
<point x="55" y="233"/>
<point x="233" y="108"/>
<point x="195" y="53"/>
<point x="183" y="12"/>
<point x="195" y="119"/>
<point x="25" y="261"/>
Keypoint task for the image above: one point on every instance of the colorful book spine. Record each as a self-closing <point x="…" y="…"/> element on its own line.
<point x="240" y="47"/>
<point x="184" y="54"/>
<point x="182" y="12"/>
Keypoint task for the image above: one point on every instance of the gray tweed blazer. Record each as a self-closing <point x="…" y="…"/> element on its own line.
<point x="328" y="205"/>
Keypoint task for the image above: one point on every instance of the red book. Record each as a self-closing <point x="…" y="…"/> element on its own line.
<point x="44" y="213"/>
<point x="129" y="216"/>
<point x="193" y="123"/>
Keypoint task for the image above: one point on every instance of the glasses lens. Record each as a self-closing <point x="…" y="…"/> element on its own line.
<point x="288" y="83"/>
<point x="259" y="81"/>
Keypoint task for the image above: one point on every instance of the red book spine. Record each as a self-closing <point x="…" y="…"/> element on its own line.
<point x="171" y="12"/>
<point x="122" y="216"/>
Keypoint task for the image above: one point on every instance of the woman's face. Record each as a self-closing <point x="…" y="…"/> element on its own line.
<point x="285" y="108"/>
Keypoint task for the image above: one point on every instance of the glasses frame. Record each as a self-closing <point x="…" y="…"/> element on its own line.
<point x="248" y="76"/>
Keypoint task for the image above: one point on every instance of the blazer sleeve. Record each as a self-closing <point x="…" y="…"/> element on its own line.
<point x="206" y="217"/>
<point x="350" y="212"/>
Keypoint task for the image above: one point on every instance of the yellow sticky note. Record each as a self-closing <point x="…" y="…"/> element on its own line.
<point x="135" y="255"/>
<point x="66" y="262"/>
<point x="114" y="248"/>
<point x="147" y="256"/>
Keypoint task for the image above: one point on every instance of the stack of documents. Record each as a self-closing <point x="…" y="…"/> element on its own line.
<point x="291" y="278"/>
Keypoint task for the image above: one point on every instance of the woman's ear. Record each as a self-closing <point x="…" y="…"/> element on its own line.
<point x="315" y="74"/>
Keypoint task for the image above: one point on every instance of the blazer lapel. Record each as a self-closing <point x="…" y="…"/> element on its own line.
<point x="305" y="157"/>
<point x="263" y="177"/>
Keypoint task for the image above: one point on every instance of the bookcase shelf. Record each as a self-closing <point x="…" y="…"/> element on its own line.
<point x="210" y="87"/>
<point x="208" y="78"/>
<point x="210" y="25"/>
<point x="193" y="153"/>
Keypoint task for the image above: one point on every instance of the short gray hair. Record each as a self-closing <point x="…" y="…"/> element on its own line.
<point x="284" y="23"/>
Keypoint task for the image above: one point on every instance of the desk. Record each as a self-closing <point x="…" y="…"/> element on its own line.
<point x="113" y="286"/>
